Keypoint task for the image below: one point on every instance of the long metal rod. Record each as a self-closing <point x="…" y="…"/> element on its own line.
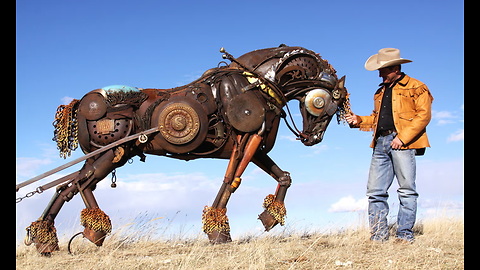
<point x="96" y="152"/>
<point x="53" y="183"/>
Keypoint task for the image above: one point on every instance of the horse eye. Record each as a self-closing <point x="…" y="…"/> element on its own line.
<point x="318" y="102"/>
<point x="315" y="101"/>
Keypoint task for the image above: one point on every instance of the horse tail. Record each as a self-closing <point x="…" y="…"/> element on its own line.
<point x="65" y="133"/>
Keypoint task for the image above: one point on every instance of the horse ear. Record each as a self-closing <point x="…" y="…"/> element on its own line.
<point x="341" y="82"/>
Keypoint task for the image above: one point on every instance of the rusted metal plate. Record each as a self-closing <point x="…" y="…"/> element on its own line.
<point x="106" y="131"/>
<point x="245" y="112"/>
<point x="92" y="106"/>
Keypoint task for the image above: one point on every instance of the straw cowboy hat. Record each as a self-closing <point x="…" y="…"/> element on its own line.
<point x="385" y="57"/>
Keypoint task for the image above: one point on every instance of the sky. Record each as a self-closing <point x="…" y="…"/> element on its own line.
<point x="67" y="48"/>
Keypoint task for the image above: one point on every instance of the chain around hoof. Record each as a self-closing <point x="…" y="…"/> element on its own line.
<point x="274" y="213"/>
<point x="44" y="235"/>
<point x="97" y="225"/>
<point x="215" y="224"/>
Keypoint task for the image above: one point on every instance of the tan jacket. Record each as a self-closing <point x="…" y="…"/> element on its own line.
<point x="411" y="109"/>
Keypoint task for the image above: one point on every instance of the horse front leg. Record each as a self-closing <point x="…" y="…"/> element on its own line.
<point x="42" y="232"/>
<point x="273" y="204"/>
<point x="215" y="221"/>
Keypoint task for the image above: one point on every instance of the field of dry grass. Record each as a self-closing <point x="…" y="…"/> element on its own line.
<point x="439" y="245"/>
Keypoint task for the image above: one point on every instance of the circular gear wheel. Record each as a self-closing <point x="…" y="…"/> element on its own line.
<point x="179" y="123"/>
<point x="182" y="124"/>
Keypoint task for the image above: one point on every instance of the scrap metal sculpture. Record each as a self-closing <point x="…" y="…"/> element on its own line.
<point x="230" y="112"/>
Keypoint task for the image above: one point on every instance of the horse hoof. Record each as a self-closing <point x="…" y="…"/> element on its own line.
<point x="217" y="237"/>
<point x="268" y="220"/>
<point x="44" y="235"/>
<point x="46" y="249"/>
<point x="95" y="237"/>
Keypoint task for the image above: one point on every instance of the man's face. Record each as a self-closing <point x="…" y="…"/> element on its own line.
<point x="388" y="74"/>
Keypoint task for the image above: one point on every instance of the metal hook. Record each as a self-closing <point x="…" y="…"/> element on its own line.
<point x="70" y="242"/>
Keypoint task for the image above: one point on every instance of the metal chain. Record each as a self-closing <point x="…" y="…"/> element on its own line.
<point x="29" y="194"/>
<point x="344" y="110"/>
<point x="114" y="179"/>
<point x="66" y="128"/>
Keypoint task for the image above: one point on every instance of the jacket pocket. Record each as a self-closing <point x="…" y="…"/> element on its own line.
<point x="406" y="115"/>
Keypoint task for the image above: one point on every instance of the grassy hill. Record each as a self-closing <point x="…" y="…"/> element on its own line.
<point x="439" y="245"/>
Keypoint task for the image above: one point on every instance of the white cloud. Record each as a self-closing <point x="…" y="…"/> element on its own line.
<point x="440" y="179"/>
<point x="66" y="100"/>
<point x="188" y="78"/>
<point x="28" y="166"/>
<point x="158" y="191"/>
<point x="444" y="117"/>
<point x="443" y="114"/>
<point x="349" y="204"/>
<point x="319" y="148"/>
<point x="440" y="204"/>
<point x="289" y="137"/>
<point x="448" y="116"/>
<point x="456" y="136"/>
<point x="434" y="208"/>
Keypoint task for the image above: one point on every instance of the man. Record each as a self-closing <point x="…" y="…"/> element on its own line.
<point x="402" y="110"/>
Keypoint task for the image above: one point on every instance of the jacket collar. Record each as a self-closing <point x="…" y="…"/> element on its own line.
<point x="403" y="80"/>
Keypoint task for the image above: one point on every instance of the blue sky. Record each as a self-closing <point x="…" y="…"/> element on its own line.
<point x="65" y="49"/>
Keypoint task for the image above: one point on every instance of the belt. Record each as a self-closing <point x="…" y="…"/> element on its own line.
<point x="385" y="132"/>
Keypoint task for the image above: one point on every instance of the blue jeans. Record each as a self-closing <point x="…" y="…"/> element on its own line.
<point x="387" y="163"/>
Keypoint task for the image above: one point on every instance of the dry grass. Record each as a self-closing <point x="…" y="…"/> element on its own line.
<point x="439" y="245"/>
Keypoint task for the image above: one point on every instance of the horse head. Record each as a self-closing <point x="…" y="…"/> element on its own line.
<point x="301" y="74"/>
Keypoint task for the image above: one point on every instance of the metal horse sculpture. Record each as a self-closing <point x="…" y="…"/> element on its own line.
<point x="230" y="112"/>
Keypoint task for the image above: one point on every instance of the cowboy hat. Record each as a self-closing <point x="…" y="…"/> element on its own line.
<point x="385" y="57"/>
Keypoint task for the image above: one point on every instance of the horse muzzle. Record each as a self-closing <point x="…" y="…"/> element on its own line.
<point x="312" y="139"/>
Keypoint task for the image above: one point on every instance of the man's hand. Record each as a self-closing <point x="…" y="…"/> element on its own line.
<point x="351" y="119"/>
<point x="396" y="143"/>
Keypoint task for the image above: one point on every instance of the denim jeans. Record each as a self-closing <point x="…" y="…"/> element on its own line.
<point x="387" y="163"/>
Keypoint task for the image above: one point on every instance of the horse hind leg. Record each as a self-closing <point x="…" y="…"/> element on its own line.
<point x="43" y="232"/>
